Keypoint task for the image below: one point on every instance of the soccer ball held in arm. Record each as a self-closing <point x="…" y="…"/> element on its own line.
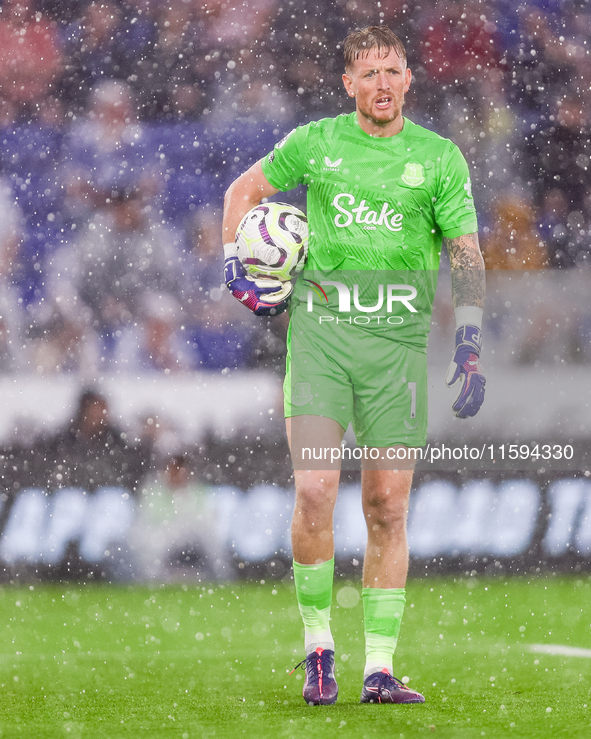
<point x="272" y="241"/>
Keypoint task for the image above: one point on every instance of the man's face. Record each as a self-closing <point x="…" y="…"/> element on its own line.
<point x="378" y="83"/>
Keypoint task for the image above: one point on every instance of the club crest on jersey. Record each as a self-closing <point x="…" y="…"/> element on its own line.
<point x="413" y="174"/>
<point x="301" y="393"/>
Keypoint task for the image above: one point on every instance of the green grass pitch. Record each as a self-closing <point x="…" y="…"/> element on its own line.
<point x="212" y="661"/>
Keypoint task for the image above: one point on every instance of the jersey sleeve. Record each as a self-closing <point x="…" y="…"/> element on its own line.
<point x="455" y="213"/>
<point x="286" y="166"/>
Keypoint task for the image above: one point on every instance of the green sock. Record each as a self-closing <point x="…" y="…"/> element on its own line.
<point x="382" y="609"/>
<point x="313" y="584"/>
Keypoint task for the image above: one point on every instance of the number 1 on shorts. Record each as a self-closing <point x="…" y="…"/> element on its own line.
<point x="412" y="386"/>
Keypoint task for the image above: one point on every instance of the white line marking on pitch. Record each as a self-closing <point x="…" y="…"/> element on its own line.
<point x="560" y="650"/>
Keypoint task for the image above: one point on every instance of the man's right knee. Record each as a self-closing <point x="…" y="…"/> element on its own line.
<point x="316" y="496"/>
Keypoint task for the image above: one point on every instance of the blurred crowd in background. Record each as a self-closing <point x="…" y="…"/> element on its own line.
<point x="122" y="122"/>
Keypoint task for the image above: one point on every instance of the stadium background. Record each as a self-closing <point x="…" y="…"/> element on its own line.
<point x="121" y="125"/>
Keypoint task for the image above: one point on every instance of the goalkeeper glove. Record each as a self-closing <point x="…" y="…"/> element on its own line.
<point x="465" y="366"/>
<point x="263" y="296"/>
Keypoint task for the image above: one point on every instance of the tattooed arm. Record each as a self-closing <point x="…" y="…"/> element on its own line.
<point x="467" y="287"/>
<point x="467" y="270"/>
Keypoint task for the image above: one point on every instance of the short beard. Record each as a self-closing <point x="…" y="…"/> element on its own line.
<point x="381" y="122"/>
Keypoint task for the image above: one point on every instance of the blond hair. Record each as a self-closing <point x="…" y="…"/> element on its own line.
<point x="360" y="42"/>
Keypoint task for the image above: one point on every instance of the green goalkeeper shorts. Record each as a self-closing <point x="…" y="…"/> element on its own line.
<point x="347" y="373"/>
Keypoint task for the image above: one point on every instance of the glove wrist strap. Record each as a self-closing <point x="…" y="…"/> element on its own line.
<point x="471" y="336"/>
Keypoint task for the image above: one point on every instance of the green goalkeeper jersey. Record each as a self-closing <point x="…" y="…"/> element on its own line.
<point x="375" y="205"/>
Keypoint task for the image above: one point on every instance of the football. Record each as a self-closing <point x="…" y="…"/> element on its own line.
<point x="272" y="241"/>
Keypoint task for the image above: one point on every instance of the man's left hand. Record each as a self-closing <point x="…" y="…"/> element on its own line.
<point x="465" y="366"/>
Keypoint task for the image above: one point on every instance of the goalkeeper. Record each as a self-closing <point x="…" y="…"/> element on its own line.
<point x="383" y="194"/>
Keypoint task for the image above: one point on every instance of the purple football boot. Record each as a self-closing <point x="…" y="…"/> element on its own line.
<point x="381" y="687"/>
<point x="320" y="686"/>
